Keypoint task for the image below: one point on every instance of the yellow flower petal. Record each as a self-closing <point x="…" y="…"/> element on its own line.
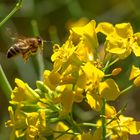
<point x="23" y="93"/>
<point x="109" y="90"/>
<point x="136" y="49"/>
<point x="94" y="101"/>
<point x="134" y="127"/>
<point x="51" y="79"/>
<point x="135" y="71"/>
<point x="87" y="33"/>
<point x="97" y="134"/>
<point x="67" y="98"/>
<point x="110" y="111"/>
<point x="124" y="30"/>
<point x="60" y="126"/>
<point x="87" y="29"/>
<point x="105" y="28"/>
<point x="137" y="81"/>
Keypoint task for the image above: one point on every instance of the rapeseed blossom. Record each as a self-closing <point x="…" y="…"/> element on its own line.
<point x="79" y="75"/>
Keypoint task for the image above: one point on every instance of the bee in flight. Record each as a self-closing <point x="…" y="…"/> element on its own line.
<point x="25" y="47"/>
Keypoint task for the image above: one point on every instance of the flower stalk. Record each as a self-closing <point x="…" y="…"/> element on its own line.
<point x="5" y="86"/>
<point x="14" y="10"/>
<point x="103" y="120"/>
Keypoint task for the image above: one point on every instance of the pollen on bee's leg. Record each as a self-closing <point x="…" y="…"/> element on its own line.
<point x="25" y="57"/>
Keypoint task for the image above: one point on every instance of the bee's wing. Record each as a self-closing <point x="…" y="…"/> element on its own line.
<point x="14" y="35"/>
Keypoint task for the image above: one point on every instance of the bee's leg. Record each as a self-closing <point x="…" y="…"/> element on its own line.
<point x="25" y="56"/>
<point x="33" y="51"/>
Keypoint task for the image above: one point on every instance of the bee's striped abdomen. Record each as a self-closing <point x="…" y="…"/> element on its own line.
<point x="14" y="50"/>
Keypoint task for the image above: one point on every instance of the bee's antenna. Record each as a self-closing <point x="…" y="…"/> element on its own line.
<point x="46" y="41"/>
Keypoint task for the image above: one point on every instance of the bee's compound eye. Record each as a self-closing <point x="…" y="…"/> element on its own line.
<point x="39" y="40"/>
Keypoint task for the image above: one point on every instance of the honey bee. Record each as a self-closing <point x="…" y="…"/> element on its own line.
<point x="25" y="47"/>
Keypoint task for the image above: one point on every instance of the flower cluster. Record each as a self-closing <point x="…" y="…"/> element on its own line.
<point x="79" y="74"/>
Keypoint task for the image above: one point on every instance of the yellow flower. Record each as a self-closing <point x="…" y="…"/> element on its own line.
<point x="67" y="98"/>
<point x="123" y="126"/>
<point x="89" y="80"/>
<point x="120" y="39"/>
<point x="29" y="125"/>
<point x="23" y="93"/>
<point x="110" y="111"/>
<point x="17" y="122"/>
<point x="64" y="56"/>
<point x="36" y="125"/>
<point x="109" y="90"/>
<point x="81" y="22"/>
<point x="135" y="74"/>
<point x="80" y="47"/>
<point x="105" y="28"/>
<point x="61" y="127"/>
<point x="89" y="77"/>
<point x="88" y="43"/>
<point x="51" y="79"/>
<point x="94" y="101"/>
<point x="119" y="127"/>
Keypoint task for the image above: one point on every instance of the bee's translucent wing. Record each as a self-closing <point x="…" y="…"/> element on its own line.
<point x="14" y="35"/>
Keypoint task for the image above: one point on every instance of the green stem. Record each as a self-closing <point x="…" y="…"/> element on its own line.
<point x="16" y="8"/>
<point x="110" y="64"/>
<point x="103" y="121"/>
<point x="4" y="84"/>
<point x="126" y="89"/>
<point x="64" y="133"/>
<point x="39" y="55"/>
<point x="88" y="124"/>
<point x="73" y="124"/>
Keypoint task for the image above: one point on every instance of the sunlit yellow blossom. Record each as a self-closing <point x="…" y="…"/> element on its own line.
<point x="23" y="93"/>
<point x="88" y="44"/>
<point x="120" y="40"/>
<point x="61" y="127"/>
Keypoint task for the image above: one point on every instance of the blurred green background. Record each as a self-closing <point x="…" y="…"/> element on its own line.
<point x="53" y="18"/>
